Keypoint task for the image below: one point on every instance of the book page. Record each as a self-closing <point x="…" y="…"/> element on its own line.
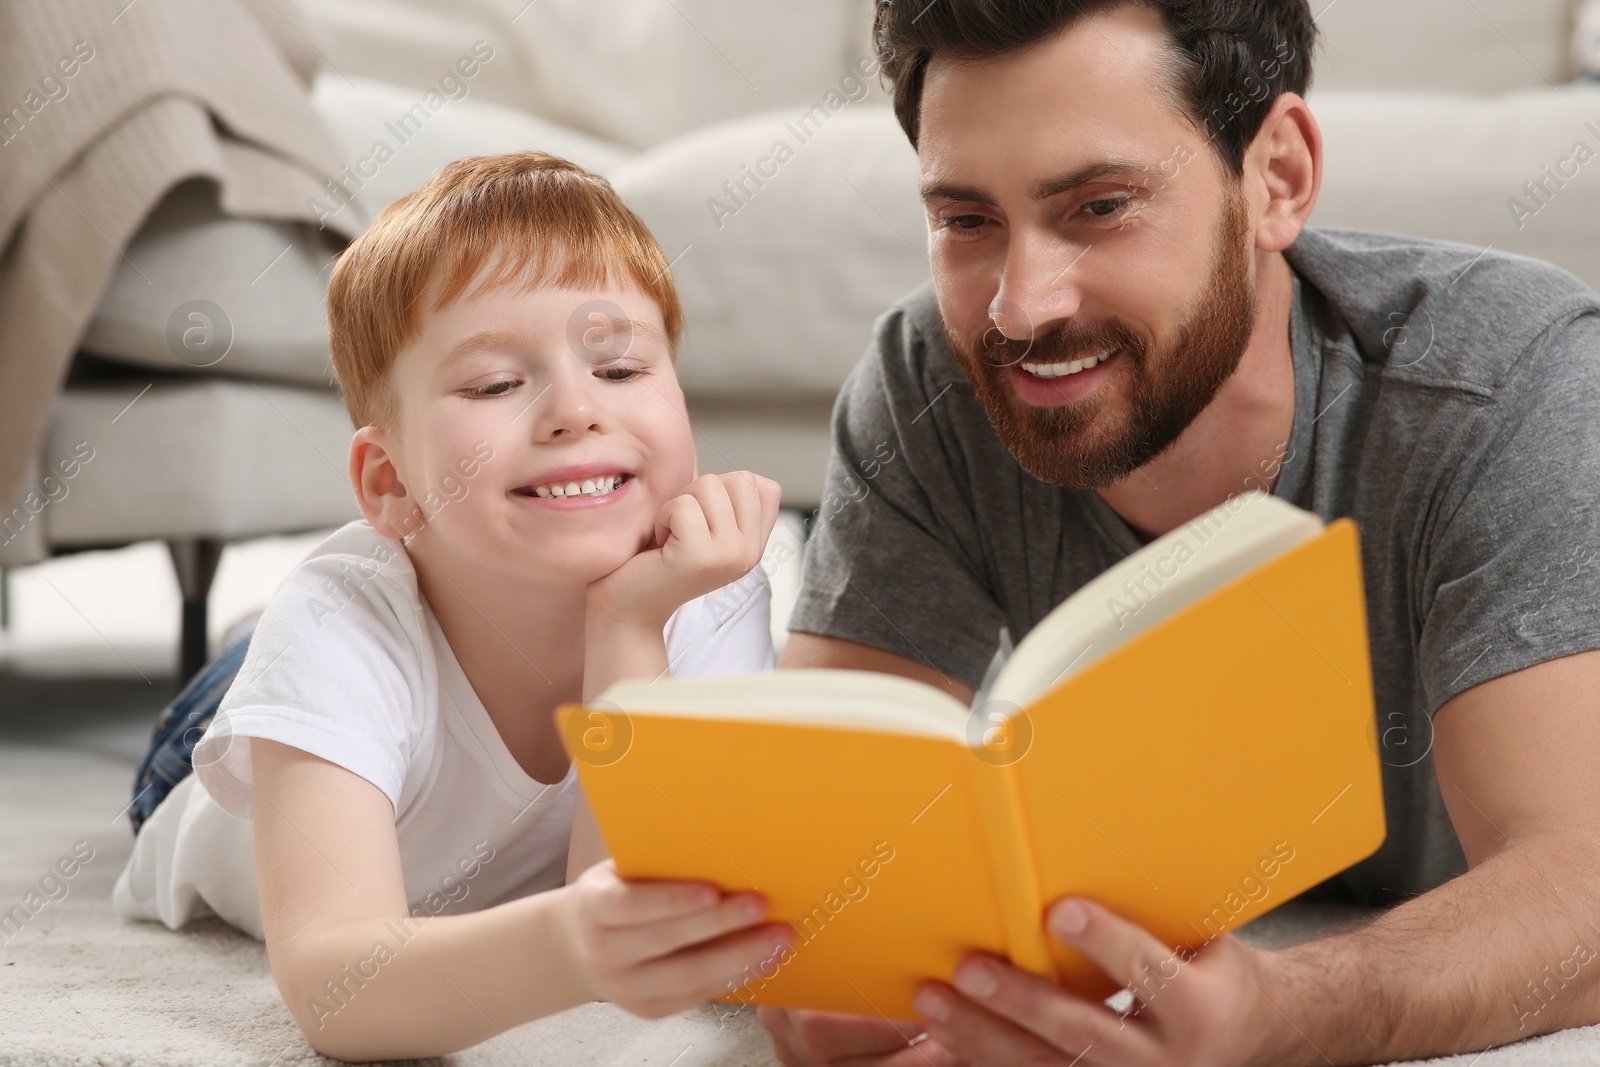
<point x="847" y="700"/>
<point x="1151" y="585"/>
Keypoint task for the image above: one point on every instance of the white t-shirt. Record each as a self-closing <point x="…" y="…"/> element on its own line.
<point x="348" y="663"/>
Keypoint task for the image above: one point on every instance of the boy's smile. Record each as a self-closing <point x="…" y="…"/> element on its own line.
<point x="588" y="486"/>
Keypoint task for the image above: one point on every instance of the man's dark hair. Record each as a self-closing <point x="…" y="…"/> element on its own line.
<point x="1230" y="58"/>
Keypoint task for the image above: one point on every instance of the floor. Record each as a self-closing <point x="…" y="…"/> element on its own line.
<point x="85" y="664"/>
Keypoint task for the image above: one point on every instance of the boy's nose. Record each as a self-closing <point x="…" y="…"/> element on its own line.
<point x="564" y="409"/>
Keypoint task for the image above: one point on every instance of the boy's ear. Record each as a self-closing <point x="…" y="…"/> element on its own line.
<point x="380" y="494"/>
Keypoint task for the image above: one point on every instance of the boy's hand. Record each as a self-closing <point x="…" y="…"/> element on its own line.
<point x="657" y="948"/>
<point x="710" y="535"/>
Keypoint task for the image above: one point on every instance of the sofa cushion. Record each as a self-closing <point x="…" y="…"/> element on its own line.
<point x="1586" y="40"/>
<point x="196" y="458"/>
<point x="1520" y="172"/>
<point x="196" y="290"/>
<point x="1443" y="46"/>
<point x="639" y="72"/>
<point x="413" y="43"/>
<point x="394" y="148"/>
<point x="199" y="291"/>
<point x="781" y="279"/>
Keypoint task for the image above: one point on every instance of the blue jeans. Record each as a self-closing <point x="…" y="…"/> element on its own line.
<point x="170" y="757"/>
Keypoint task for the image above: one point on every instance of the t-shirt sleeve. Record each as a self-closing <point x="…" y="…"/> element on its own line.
<point x="894" y="559"/>
<point x="1512" y="578"/>
<point x="334" y="670"/>
<point x="728" y="631"/>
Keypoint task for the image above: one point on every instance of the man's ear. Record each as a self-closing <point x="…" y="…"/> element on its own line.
<point x="380" y="494"/>
<point x="1283" y="172"/>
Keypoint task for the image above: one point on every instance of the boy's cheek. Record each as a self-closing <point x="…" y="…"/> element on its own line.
<point x="674" y="461"/>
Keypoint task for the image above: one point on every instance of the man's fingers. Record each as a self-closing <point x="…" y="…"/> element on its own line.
<point x="1125" y="951"/>
<point x="973" y="1035"/>
<point x="1025" y="1013"/>
<point x="821" y="1037"/>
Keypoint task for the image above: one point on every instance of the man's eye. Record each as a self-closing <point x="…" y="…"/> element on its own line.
<point x="500" y="388"/>
<point x="1108" y="208"/>
<point x="964" y="222"/>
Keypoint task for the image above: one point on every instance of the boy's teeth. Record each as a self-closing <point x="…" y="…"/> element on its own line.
<point x="588" y="487"/>
<point x="1061" y="370"/>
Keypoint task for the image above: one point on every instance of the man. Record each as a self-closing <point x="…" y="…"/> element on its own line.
<point x="1128" y="324"/>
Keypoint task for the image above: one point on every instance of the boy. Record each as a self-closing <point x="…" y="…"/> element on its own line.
<point x="382" y="796"/>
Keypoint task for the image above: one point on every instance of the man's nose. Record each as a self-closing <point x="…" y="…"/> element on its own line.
<point x="1038" y="285"/>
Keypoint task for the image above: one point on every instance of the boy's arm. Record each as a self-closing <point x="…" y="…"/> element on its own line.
<point x="711" y="535"/>
<point x="365" y="980"/>
<point x="613" y="650"/>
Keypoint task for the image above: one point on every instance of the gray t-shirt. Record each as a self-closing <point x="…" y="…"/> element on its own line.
<point x="1446" y="399"/>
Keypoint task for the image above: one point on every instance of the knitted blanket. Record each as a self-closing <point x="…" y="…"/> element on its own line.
<point x="105" y="105"/>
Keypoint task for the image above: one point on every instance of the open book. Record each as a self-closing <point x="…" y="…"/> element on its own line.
<point x="1189" y="740"/>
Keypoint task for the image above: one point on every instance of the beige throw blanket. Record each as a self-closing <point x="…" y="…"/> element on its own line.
<point x="105" y="105"/>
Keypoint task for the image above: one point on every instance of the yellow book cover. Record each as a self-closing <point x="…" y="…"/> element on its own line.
<point x="1189" y="740"/>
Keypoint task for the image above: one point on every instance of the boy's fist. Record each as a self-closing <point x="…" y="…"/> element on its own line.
<point x="708" y="536"/>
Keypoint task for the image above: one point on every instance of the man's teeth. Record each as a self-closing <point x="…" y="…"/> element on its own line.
<point x="1061" y="370"/>
<point x="587" y="487"/>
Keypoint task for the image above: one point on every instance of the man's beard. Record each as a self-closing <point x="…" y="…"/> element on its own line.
<point x="1165" y="391"/>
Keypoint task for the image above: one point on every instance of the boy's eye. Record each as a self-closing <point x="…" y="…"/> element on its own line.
<point x="618" y="373"/>
<point x="500" y="388"/>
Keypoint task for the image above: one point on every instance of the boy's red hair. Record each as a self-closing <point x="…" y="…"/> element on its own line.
<point x="530" y="217"/>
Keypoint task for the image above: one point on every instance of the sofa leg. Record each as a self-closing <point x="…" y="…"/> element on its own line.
<point x="195" y="561"/>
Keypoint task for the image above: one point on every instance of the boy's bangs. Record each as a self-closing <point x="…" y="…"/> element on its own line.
<point x="524" y="267"/>
<point x="559" y="233"/>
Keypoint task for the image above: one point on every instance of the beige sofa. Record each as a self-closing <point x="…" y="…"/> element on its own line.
<point x="1440" y="118"/>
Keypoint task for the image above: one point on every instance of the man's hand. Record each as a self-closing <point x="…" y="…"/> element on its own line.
<point x="1206" y="1010"/>
<point x="656" y="948"/>
<point x="814" y="1038"/>
<point x="710" y="535"/>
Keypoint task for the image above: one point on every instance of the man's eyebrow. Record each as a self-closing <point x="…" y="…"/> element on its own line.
<point x="1094" y="172"/>
<point x="940" y="190"/>
<point x="1044" y="190"/>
